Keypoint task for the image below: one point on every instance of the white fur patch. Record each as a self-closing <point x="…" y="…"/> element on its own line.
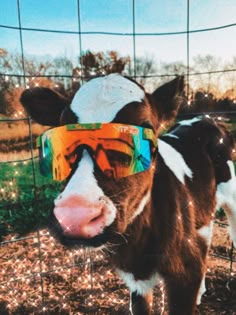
<point x="202" y="290"/>
<point x="83" y="183"/>
<point x="174" y="160"/>
<point x="130" y="304"/>
<point x="141" y="206"/>
<point x="189" y="122"/>
<point x="142" y="287"/>
<point x="206" y="232"/>
<point x="226" y="198"/>
<point x="171" y="135"/>
<point x="100" y="99"/>
<point x="231" y="168"/>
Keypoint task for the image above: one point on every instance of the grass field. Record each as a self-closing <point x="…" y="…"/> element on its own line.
<point x="25" y="197"/>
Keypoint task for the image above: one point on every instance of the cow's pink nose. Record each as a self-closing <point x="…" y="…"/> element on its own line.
<point x="80" y="218"/>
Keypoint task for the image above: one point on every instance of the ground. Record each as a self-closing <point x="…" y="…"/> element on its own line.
<point x="38" y="277"/>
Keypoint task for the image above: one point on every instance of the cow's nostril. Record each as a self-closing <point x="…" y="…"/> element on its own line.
<point x="103" y="199"/>
<point x="97" y="218"/>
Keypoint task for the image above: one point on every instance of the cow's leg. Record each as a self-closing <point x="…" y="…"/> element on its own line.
<point x="182" y="295"/>
<point x="140" y="304"/>
<point x="140" y="292"/>
<point x="231" y="215"/>
<point x="183" y="289"/>
<point x="206" y="233"/>
<point x="201" y="290"/>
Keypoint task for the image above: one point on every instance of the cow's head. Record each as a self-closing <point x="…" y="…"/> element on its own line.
<point x="108" y="163"/>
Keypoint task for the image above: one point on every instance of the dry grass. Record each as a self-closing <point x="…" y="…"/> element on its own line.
<point x="15" y="140"/>
<point x="17" y="156"/>
<point x="80" y="282"/>
<point x="19" y="129"/>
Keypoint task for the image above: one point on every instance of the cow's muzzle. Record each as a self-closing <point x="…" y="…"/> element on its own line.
<point x="78" y="220"/>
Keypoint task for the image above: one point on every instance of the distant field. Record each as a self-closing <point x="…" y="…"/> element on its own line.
<point x="15" y="139"/>
<point x="19" y="129"/>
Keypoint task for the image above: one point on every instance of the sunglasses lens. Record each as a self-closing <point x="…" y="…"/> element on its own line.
<point x="45" y="158"/>
<point x="118" y="150"/>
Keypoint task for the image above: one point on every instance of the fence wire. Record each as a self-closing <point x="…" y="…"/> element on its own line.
<point x="30" y="261"/>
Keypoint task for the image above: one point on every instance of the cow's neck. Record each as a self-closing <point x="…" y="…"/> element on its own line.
<point x="139" y="248"/>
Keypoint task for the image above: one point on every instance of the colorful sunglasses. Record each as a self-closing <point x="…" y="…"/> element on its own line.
<point x="118" y="150"/>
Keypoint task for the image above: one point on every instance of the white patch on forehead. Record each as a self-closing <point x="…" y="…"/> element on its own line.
<point x="189" y="122"/>
<point x="100" y="99"/>
<point x="174" y="160"/>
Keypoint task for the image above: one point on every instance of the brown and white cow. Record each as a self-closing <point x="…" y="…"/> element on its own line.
<point x="158" y="222"/>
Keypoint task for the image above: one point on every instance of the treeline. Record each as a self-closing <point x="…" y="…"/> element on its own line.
<point x="212" y="83"/>
<point x="201" y="102"/>
<point x="57" y="73"/>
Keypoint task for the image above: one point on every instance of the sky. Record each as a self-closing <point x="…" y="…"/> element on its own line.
<point x="151" y="16"/>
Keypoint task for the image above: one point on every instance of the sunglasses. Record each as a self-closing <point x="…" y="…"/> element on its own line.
<point x="118" y="150"/>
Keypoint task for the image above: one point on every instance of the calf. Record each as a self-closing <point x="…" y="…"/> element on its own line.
<point x="150" y="202"/>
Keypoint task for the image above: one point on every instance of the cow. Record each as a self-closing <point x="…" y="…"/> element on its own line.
<point x="148" y="198"/>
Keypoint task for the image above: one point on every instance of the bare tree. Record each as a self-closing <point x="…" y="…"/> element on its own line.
<point x="207" y="79"/>
<point x="100" y="63"/>
<point x="145" y="68"/>
<point x="230" y="80"/>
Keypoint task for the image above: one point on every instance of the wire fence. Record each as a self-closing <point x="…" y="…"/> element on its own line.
<point x="32" y="264"/>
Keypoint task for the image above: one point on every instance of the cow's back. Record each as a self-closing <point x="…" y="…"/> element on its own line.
<point x="203" y="148"/>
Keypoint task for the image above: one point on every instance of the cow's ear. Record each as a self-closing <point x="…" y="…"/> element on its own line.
<point x="44" y="105"/>
<point x="167" y="99"/>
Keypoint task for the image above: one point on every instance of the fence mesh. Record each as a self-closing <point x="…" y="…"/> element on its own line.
<point x="33" y="266"/>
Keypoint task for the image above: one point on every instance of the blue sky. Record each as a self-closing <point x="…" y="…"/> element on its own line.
<point x="116" y="16"/>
